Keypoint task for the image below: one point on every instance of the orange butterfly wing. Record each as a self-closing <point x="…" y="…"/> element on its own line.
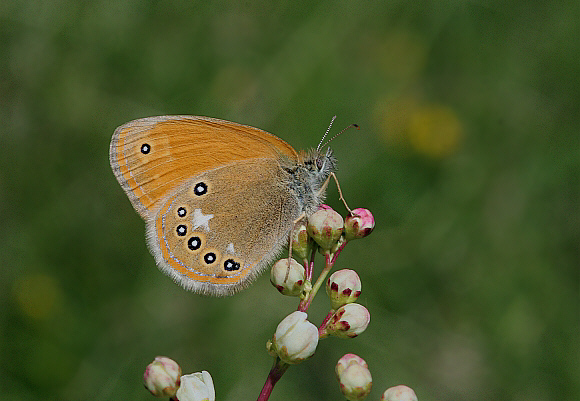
<point x="152" y="156"/>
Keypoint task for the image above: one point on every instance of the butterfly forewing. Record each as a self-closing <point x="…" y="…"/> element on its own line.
<point x="154" y="156"/>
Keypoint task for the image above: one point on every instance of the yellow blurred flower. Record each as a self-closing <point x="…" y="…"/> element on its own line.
<point x="429" y="130"/>
<point x="435" y="131"/>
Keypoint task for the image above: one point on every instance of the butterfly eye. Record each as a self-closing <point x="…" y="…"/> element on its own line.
<point x="319" y="163"/>
<point x="145" y="148"/>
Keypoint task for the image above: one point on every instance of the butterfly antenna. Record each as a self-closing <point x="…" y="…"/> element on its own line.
<point x="327" y="142"/>
<point x="326" y="133"/>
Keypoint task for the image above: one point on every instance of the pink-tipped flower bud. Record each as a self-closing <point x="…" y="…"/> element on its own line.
<point x="354" y="377"/>
<point x="346" y="360"/>
<point x="399" y="393"/>
<point x="196" y="387"/>
<point x="343" y="287"/>
<point x="302" y="244"/>
<point x="348" y="321"/>
<point x="295" y="339"/>
<point x="287" y="278"/>
<point x="325" y="227"/>
<point x="359" y="224"/>
<point x="161" y="377"/>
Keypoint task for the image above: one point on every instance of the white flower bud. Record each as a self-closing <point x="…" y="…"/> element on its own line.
<point x="348" y="321"/>
<point x="196" y="387"/>
<point x="295" y="339"/>
<point x="287" y="278"/>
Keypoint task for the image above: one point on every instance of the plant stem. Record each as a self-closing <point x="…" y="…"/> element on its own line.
<point x="304" y="304"/>
<point x="338" y="252"/>
<point x="275" y="374"/>
<point x="322" y="328"/>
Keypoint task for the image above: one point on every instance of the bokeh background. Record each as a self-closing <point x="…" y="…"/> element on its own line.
<point x="468" y="155"/>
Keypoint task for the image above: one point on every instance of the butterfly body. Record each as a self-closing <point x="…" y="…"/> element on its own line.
<point x="219" y="199"/>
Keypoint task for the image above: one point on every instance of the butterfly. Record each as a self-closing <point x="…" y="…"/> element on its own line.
<point x="219" y="199"/>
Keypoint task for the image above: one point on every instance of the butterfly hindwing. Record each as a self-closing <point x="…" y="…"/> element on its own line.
<point x="216" y="233"/>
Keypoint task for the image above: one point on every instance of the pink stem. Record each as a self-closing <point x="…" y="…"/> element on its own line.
<point x="275" y="374"/>
<point x="338" y="252"/>
<point x="321" y="329"/>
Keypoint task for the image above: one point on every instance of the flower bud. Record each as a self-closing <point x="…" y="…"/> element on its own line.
<point x="162" y="377"/>
<point x="295" y="339"/>
<point x="343" y="287"/>
<point x="346" y="360"/>
<point x="196" y="387"/>
<point x="399" y="393"/>
<point x="354" y="377"/>
<point x="302" y="244"/>
<point x="287" y="278"/>
<point x="325" y="227"/>
<point x="348" y="321"/>
<point x="359" y="224"/>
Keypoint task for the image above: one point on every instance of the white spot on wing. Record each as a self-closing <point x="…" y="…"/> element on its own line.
<point x="230" y="249"/>
<point x="201" y="220"/>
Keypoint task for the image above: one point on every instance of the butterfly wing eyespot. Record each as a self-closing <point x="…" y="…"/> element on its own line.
<point x="231" y="264"/>
<point x="195" y="242"/>
<point x="210" y="257"/>
<point x="181" y="211"/>
<point x="152" y="157"/>
<point x="181" y="230"/>
<point x="145" y="148"/>
<point x="199" y="188"/>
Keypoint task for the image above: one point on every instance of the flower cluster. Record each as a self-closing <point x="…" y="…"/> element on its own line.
<point x="326" y="231"/>
<point x="296" y="338"/>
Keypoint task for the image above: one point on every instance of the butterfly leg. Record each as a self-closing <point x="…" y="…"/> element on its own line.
<point x="290" y="237"/>
<point x="340" y="193"/>
<point x="323" y="188"/>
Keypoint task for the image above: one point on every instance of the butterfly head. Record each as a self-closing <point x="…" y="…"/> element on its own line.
<point x="319" y="164"/>
<point x="307" y="177"/>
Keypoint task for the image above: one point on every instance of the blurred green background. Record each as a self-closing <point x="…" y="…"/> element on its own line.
<point x="468" y="155"/>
